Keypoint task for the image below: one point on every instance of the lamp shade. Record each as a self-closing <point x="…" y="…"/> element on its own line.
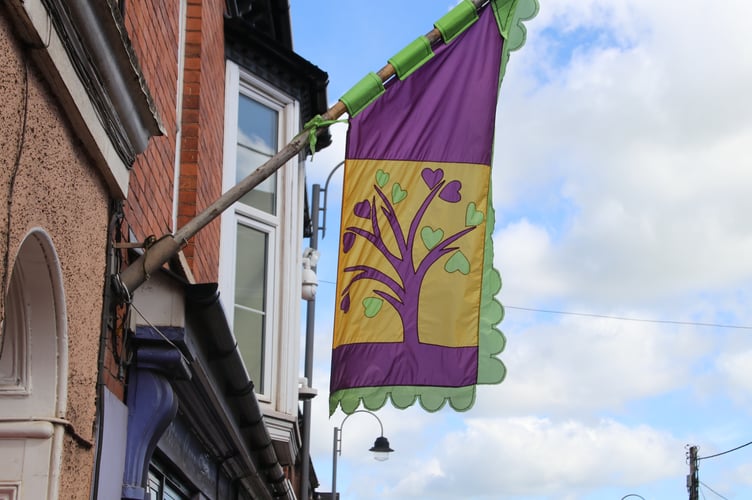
<point x="381" y="449"/>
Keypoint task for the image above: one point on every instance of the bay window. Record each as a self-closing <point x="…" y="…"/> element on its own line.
<point x="261" y="236"/>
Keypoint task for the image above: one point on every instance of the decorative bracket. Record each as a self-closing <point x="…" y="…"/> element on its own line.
<point x="152" y="406"/>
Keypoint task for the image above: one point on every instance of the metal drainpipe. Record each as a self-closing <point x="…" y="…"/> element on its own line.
<point x="107" y="296"/>
<point x="308" y="367"/>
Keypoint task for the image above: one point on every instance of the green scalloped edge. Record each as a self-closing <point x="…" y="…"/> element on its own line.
<point x="491" y="340"/>
<point x="432" y="399"/>
<point x="490" y="343"/>
<point x="510" y="16"/>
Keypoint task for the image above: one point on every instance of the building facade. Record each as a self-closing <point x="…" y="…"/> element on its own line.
<point x="123" y="121"/>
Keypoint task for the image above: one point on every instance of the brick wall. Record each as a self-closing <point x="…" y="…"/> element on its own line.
<point x="153" y="28"/>
<point x="203" y="130"/>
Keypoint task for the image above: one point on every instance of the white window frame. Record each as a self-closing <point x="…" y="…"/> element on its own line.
<point x="285" y="241"/>
<point x="182" y="20"/>
<point x="270" y="316"/>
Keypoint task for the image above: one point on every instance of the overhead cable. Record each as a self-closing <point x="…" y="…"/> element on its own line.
<point x="713" y="491"/>
<point x="724" y="452"/>
<point x="625" y="318"/>
<point x="617" y="318"/>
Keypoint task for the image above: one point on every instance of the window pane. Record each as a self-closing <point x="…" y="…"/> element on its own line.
<point x="257" y="142"/>
<point x="250" y="299"/>
<point x="153" y="487"/>
<point x="171" y="493"/>
<point x="250" y="268"/>
<point x="263" y="196"/>
<point x="257" y="126"/>
<point x="249" y="330"/>
<point x="160" y="487"/>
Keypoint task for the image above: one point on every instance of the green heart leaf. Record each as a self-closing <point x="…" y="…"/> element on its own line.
<point x="398" y="194"/>
<point x="382" y="178"/>
<point x="458" y="262"/>
<point x="372" y="306"/>
<point x="473" y="217"/>
<point x="431" y="237"/>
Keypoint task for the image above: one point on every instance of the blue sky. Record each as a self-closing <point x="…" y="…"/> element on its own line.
<point x="621" y="186"/>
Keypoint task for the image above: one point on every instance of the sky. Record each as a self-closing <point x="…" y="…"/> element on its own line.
<point x="622" y="173"/>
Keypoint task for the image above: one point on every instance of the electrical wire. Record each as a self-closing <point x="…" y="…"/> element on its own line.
<point x="11" y="191"/>
<point x="625" y="318"/>
<point x="724" y="452"/>
<point x="712" y="491"/>
<point x="164" y="337"/>
<point x="617" y="318"/>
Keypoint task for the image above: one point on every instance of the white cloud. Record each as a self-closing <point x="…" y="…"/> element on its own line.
<point x="736" y="368"/>
<point x="582" y="366"/>
<point x="419" y="478"/>
<point x="523" y="253"/>
<point x="633" y="152"/>
<point x="500" y="458"/>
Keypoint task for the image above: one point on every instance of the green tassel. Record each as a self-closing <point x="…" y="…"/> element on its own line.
<point x="313" y="125"/>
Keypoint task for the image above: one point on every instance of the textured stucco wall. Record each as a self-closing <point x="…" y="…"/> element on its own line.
<point x="59" y="190"/>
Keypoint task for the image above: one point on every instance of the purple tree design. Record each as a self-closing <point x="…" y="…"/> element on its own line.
<point x="403" y="293"/>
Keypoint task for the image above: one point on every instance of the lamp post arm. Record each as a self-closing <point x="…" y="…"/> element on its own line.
<point x="337" y="446"/>
<point x="325" y="189"/>
<point x="381" y="426"/>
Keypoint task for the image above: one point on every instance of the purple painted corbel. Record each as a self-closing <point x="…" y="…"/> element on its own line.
<point x="152" y="405"/>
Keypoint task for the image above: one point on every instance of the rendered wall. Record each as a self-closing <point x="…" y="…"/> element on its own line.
<point x="58" y="189"/>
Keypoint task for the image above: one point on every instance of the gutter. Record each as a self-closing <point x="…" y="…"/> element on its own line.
<point x="204" y="309"/>
<point x="85" y="55"/>
<point x="115" y="78"/>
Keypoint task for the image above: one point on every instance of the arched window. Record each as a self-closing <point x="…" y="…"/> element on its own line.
<point x="33" y="373"/>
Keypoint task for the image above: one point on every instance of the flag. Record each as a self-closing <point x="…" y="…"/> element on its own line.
<point x="416" y="313"/>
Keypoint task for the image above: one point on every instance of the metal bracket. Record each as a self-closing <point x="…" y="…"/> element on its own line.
<point x="149" y="241"/>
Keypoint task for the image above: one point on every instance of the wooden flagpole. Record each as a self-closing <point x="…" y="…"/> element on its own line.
<point x="155" y="256"/>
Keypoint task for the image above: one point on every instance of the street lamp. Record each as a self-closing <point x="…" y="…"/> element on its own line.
<point x="310" y="296"/>
<point x="380" y="448"/>
<point x="631" y="495"/>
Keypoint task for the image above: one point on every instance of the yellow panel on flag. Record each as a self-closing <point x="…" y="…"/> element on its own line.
<point x="429" y="248"/>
